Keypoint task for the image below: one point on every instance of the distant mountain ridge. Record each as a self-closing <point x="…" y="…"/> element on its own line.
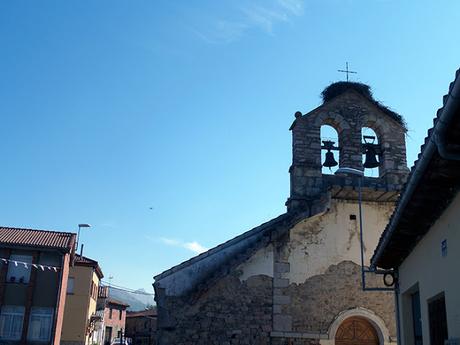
<point x="137" y="300"/>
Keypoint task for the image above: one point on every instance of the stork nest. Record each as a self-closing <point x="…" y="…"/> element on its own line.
<point x="340" y="87"/>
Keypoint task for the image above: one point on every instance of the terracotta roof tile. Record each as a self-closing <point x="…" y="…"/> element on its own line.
<point x="36" y="238"/>
<point x="117" y="302"/>
<point x="144" y="313"/>
<point x="85" y="261"/>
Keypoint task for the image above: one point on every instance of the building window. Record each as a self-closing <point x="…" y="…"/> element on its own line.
<point x="11" y="320"/>
<point x="120" y="314"/>
<point x="94" y="289"/>
<point x="416" y="318"/>
<point x="110" y="313"/>
<point x="108" y="335"/>
<point x="438" y="320"/>
<point x="19" y="269"/>
<point x="70" y="285"/>
<point x="41" y="320"/>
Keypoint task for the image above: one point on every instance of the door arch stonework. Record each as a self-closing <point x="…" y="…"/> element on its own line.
<point x="356" y="331"/>
<point x="370" y="316"/>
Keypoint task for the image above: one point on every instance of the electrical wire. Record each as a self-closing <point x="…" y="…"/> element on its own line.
<point x="118" y="287"/>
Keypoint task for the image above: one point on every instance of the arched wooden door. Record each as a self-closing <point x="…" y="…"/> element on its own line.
<point x="356" y="331"/>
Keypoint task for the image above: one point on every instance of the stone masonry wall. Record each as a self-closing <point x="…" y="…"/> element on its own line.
<point x="230" y="312"/>
<point x="316" y="303"/>
<point x="294" y="341"/>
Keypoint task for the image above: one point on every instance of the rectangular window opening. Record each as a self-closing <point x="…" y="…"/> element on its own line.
<point x="41" y="321"/>
<point x="70" y="285"/>
<point x="19" y="269"/>
<point x="11" y="321"/>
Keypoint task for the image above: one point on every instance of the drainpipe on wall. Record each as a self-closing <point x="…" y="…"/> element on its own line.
<point x="397" y="307"/>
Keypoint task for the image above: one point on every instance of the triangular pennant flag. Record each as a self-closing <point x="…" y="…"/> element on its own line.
<point x="55" y="269"/>
<point x="42" y="267"/>
<point x="5" y="261"/>
<point x="35" y="266"/>
<point x="49" y="268"/>
<point x="15" y="263"/>
<point x="25" y="265"/>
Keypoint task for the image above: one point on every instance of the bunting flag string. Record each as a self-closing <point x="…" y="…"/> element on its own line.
<point x="27" y="265"/>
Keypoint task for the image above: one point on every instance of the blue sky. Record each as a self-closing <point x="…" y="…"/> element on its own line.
<point x="111" y="108"/>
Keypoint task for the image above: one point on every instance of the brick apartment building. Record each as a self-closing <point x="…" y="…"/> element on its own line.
<point x="34" y="268"/>
<point x="114" y="319"/>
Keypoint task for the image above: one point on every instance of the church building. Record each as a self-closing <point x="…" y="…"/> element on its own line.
<point x="296" y="279"/>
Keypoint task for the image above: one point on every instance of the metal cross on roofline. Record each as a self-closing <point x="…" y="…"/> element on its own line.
<point x="347" y="71"/>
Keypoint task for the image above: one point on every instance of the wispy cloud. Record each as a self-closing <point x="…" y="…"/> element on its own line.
<point x="224" y="31"/>
<point x="262" y="15"/>
<point x="193" y="246"/>
<point x="294" y="7"/>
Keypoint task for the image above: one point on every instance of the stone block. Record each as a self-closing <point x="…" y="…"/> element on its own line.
<point x="282" y="322"/>
<point x="280" y="299"/>
<point x="280" y="282"/>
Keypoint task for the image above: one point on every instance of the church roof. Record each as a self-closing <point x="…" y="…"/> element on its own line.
<point x="194" y="276"/>
<point x="431" y="186"/>
<point x="338" y="88"/>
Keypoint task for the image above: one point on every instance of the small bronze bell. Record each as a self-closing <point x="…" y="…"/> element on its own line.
<point x="330" y="161"/>
<point x="371" y="157"/>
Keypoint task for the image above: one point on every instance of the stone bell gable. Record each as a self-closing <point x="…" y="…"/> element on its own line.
<point x="348" y="112"/>
<point x="296" y="279"/>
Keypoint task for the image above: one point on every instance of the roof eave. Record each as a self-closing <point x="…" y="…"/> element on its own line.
<point x="451" y="105"/>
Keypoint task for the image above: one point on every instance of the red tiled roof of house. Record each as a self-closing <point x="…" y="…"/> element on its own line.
<point x="114" y="301"/>
<point x="85" y="261"/>
<point x="37" y="238"/>
<point x="144" y="313"/>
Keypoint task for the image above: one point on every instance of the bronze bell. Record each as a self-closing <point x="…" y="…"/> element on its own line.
<point x="371" y="157"/>
<point x="330" y="161"/>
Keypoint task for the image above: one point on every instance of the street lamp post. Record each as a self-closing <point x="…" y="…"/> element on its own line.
<point x="360" y="174"/>
<point x="394" y="286"/>
<point x="78" y="236"/>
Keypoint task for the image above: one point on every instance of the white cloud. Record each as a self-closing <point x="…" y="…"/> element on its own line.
<point x="224" y="31"/>
<point x="263" y="15"/>
<point x="193" y="246"/>
<point x="170" y="241"/>
<point x="295" y="7"/>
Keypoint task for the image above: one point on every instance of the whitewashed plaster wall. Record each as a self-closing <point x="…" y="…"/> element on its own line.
<point x="319" y="242"/>
<point x="433" y="274"/>
<point x="260" y="263"/>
